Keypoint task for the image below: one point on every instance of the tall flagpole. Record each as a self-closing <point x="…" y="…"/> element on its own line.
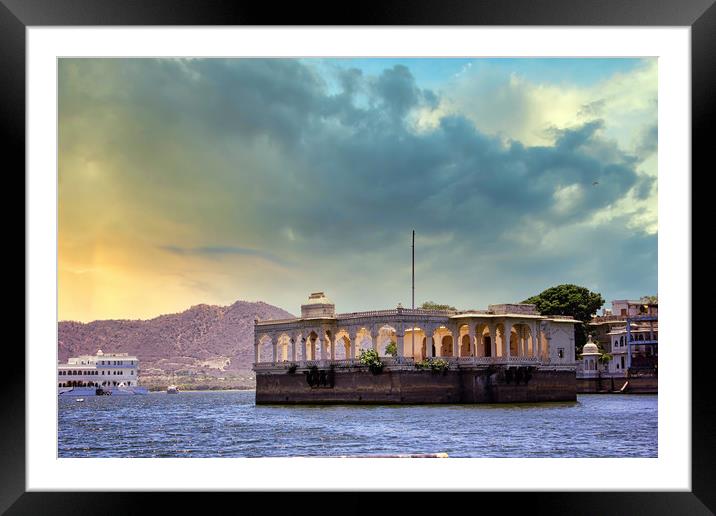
<point x="412" y="333"/>
<point x="413" y="246"/>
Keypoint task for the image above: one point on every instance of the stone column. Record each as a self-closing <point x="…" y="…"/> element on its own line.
<point x="256" y="352"/>
<point x="542" y="344"/>
<point x="400" y="344"/>
<point x="456" y="342"/>
<point x="535" y="340"/>
<point x="493" y="339"/>
<point x="353" y="339"/>
<point x="428" y="342"/>
<point x="508" y="334"/>
<point x="274" y="346"/>
<point x="293" y="350"/>
<point x="471" y="332"/>
<point x="525" y="342"/>
<point x="321" y="343"/>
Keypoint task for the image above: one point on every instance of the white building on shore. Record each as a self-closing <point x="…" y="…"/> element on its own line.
<point x="106" y="370"/>
<point x="630" y="333"/>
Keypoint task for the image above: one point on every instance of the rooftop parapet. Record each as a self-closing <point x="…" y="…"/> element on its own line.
<point x="516" y="308"/>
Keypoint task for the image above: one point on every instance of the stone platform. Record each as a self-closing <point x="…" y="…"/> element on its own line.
<point x="406" y="385"/>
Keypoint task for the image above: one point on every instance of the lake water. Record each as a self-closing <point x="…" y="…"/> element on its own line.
<point x="229" y="424"/>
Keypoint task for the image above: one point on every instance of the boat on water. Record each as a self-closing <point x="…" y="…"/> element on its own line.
<point x="173" y="388"/>
<point x="99" y="391"/>
<point x="103" y="374"/>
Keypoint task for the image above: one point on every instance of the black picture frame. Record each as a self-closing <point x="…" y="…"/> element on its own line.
<point x="700" y="15"/>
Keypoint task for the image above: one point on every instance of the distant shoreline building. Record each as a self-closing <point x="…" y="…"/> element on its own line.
<point x="504" y="348"/>
<point x="629" y="332"/>
<point x="107" y="370"/>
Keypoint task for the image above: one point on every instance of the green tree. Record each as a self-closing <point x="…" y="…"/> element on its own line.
<point x="604" y="358"/>
<point x="370" y="358"/>
<point x="579" y="302"/>
<point x="392" y="349"/>
<point x="431" y="305"/>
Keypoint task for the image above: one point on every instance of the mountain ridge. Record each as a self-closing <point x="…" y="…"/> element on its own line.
<point x="202" y="342"/>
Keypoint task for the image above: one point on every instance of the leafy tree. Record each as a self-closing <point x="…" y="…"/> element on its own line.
<point x="604" y="358"/>
<point x="392" y="349"/>
<point x="431" y="305"/>
<point x="370" y="358"/>
<point x="579" y="302"/>
<point x="650" y="299"/>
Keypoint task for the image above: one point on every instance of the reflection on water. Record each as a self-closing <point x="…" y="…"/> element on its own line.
<point x="228" y="424"/>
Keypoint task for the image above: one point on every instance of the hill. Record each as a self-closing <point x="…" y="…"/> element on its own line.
<point x="205" y="346"/>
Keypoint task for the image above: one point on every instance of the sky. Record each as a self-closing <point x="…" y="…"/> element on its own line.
<point x="190" y="181"/>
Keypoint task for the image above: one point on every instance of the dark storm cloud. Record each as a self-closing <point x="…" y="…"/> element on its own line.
<point x="255" y="150"/>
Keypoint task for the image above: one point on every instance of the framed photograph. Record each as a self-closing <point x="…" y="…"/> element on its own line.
<point x="260" y="250"/>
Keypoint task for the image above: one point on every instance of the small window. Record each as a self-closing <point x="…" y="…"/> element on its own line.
<point x="560" y="352"/>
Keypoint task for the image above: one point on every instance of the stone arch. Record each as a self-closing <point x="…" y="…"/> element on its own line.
<point x="385" y="335"/>
<point x="343" y="344"/>
<point x="364" y="339"/>
<point x="413" y="340"/>
<point x="446" y="345"/>
<point x="465" y="345"/>
<point x="265" y="345"/>
<point x="443" y="341"/>
<point x="312" y="351"/>
<point x="525" y="343"/>
<point x="458" y="338"/>
<point x="482" y="340"/>
<point x="283" y="353"/>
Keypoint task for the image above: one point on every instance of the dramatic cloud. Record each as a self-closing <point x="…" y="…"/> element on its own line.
<point x="187" y="181"/>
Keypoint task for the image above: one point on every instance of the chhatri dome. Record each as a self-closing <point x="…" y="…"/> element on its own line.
<point x="590" y="348"/>
<point x="590" y="354"/>
<point x="318" y="305"/>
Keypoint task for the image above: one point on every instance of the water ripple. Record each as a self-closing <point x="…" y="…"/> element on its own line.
<point x="228" y="424"/>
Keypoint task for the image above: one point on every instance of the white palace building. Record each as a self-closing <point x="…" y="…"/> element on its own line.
<point x="505" y="354"/>
<point x="109" y="371"/>
<point x="474" y="336"/>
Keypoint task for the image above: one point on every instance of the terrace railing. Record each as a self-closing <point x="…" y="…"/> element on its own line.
<point x="403" y="361"/>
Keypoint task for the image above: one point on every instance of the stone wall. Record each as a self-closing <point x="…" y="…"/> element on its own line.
<point x="477" y="385"/>
<point x="637" y="385"/>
